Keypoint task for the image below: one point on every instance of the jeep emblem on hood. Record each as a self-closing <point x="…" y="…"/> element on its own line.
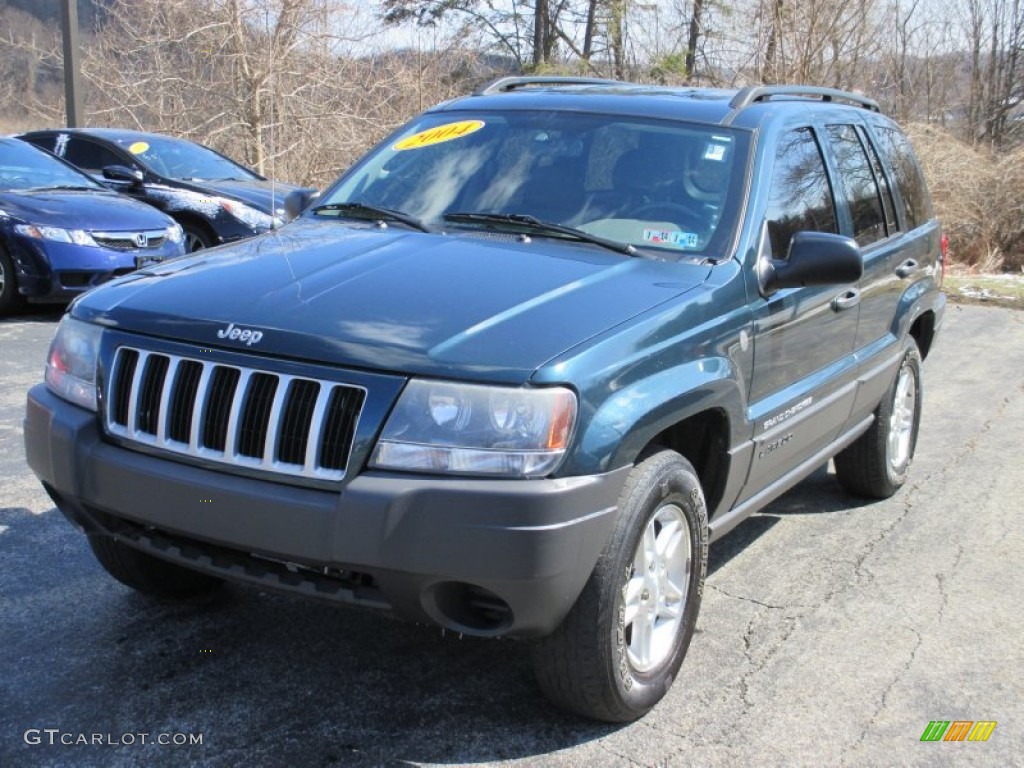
<point x="248" y="336"/>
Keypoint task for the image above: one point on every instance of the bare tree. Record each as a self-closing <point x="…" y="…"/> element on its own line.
<point x="294" y="88"/>
<point x="693" y="38"/>
<point x="995" y="33"/>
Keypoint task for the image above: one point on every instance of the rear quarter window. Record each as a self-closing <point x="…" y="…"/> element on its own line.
<point x="43" y="142"/>
<point x="907" y="175"/>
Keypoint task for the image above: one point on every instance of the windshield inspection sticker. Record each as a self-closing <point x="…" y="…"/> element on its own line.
<point x="674" y="237"/>
<point x="138" y="147"/>
<point x="715" y="152"/>
<point x="440" y="134"/>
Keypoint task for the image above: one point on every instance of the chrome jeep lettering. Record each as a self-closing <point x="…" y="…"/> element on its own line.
<point x="246" y="336"/>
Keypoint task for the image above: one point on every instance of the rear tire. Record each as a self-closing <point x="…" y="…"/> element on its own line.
<point x="10" y="299"/>
<point x="149" y="574"/>
<point x="617" y="652"/>
<point x="876" y="465"/>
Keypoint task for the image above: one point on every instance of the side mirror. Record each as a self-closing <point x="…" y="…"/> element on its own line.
<point x="815" y="258"/>
<point x="298" y="200"/>
<point x="132" y="176"/>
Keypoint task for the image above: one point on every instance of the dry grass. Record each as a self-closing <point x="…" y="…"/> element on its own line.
<point x="979" y="197"/>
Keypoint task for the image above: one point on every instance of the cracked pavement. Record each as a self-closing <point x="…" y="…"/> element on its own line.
<point x="832" y="630"/>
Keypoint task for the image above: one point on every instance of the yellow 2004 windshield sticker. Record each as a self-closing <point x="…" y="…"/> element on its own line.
<point x="138" y="147"/>
<point x="440" y="134"/>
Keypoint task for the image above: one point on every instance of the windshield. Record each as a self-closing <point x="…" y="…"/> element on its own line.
<point x="22" y="166"/>
<point x="184" y="160"/>
<point x="647" y="183"/>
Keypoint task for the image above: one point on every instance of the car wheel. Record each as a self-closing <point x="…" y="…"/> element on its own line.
<point x="10" y="299"/>
<point x="617" y="652"/>
<point x="149" y="574"/>
<point x="876" y="465"/>
<point x="196" y="238"/>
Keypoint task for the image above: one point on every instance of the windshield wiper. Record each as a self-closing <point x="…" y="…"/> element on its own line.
<point x="98" y="187"/>
<point x="542" y="227"/>
<point x="374" y="212"/>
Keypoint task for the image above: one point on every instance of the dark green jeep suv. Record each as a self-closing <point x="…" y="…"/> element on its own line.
<point x="515" y="369"/>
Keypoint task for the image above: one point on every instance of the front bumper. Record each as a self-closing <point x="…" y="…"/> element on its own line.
<point x="49" y="271"/>
<point x="480" y="556"/>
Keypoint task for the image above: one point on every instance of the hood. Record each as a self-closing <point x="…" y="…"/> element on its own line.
<point x="458" y="306"/>
<point x="71" y="209"/>
<point x="258" y="194"/>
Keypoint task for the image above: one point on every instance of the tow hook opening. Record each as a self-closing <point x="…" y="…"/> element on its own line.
<point x="468" y="608"/>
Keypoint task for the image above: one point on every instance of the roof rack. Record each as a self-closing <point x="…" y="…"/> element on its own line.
<point x="764" y="92"/>
<point x="506" y="84"/>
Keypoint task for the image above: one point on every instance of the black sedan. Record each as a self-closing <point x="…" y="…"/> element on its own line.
<point x="215" y="199"/>
<point x="61" y="233"/>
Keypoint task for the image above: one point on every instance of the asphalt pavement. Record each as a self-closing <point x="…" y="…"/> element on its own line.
<point x="833" y="631"/>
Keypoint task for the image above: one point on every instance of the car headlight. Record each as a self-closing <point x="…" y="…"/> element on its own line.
<point x="248" y="215"/>
<point x="175" y="233"/>
<point x="71" y="364"/>
<point x="56" y="234"/>
<point x="447" y="427"/>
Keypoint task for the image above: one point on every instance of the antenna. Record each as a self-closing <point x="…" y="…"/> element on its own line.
<point x="273" y="149"/>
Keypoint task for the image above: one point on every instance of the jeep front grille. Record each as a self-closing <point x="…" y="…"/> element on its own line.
<point x="248" y="418"/>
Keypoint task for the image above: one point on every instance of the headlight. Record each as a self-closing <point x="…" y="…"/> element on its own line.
<point x="71" y="364"/>
<point x="456" y="428"/>
<point x="58" y="235"/>
<point x="175" y="233"/>
<point x="248" y="215"/>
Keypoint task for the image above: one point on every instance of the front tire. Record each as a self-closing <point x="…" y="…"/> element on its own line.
<point x="10" y="299"/>
<point x="617" y="652"/>
<point x="149" y="574"/>
<point x="876" y="465"/>
<point x="196" y="238"/>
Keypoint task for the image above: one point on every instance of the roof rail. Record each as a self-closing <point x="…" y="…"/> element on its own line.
<point x="506" y="84"/>
<point x="764" y="92"/>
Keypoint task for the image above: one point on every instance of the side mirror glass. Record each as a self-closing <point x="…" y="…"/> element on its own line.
<point x="815" y="258"/>
<point x="298" y="200"/>
<point x="132" y="176"/>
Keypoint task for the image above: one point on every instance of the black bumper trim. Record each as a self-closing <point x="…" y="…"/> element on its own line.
<point x="348" y="587"/>
<point x="418" y="543"/>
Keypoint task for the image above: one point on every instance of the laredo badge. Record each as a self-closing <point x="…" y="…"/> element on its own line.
<point x="440" y="134"/>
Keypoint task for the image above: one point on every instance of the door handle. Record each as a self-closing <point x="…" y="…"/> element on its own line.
<point x="846" y="300"/>
<point x="907" y="268"/>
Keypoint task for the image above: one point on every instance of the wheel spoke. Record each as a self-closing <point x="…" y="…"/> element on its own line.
<point x="894" y="445"/>
<point x="631" y="597"/>
<point x="671" y="591"/>
<point x="650" y="548"/>
<point x="669" y="609"/>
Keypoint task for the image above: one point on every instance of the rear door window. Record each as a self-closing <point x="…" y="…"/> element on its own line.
<point x="858" y="185"/>
<point x="801" y="196"/>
